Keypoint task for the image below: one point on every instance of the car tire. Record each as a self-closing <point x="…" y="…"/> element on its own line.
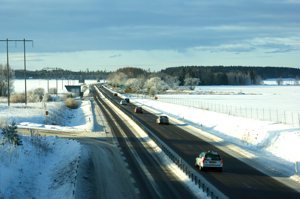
<point x="196" y="165"/>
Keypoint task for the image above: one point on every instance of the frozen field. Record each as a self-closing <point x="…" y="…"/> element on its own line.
<point x="42" y="83"/>
<point x="263" y="102"/>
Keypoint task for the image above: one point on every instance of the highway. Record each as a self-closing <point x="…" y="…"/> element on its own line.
<point x="156" y="182"/>
<point x="238" y="180"/>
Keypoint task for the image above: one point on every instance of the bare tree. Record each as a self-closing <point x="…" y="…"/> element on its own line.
<point x="134" y="84"/>
<point x="117" y="79"/>
<point x="296" y="80"/>
<point x="159" y="84"/>
<point x="192" y="82"/>
<point x="173" y="82"/>
<point x="3" y="80"/>
<point x="153" y="91"/>
<point x="279" y="81"/>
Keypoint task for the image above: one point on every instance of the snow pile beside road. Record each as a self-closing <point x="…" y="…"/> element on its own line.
<point x="27" y="171"/>
<point x="59" y="116"/>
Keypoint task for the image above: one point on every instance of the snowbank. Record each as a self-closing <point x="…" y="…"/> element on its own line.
<point x="39" y="168"/>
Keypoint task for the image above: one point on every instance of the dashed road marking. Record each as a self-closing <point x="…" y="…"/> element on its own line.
<point x="132" y="180"/>
<point x="129" y="171"/>
<point x="137" y="191"/>
<point x="247" y="185"/>
<point x="126" y="164"/>
<point x="123" y="158"/>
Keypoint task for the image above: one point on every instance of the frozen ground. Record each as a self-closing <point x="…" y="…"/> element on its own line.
<point x="42" y="83"/>
<point x="277" y="142"/>
<point x="43" y="167"/>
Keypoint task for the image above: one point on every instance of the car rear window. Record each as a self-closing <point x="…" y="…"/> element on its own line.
<point x="164" y="117"/>
<point x="212" y="157"/>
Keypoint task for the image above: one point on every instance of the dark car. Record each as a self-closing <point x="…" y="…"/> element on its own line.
<point x="127" y="100"/>
<point x="115" y="94"/>
<point x="123" y="102"/>
<point x="162" y="120"/>
<point x="138" y="109"/>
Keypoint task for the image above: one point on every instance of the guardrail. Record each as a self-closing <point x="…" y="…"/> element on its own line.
<point x="199" y="180"/>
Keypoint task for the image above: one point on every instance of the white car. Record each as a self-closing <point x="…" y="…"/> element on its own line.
<point x="209" y="159"/>
<point x="123" y="102"/>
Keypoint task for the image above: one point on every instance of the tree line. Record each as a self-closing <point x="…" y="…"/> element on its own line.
<point x="172" y="77"/>
<point x="61" y="74"/>
<point x="231" y="75"/>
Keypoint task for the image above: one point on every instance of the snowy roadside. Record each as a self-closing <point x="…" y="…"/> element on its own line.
<point x="43" y="167"/>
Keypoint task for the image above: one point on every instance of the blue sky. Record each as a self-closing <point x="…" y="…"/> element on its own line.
<point x="107" y="35"/>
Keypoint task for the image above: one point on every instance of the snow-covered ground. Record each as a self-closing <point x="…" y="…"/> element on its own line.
<point x="35" y="168"/>
<point x="42" y="83"/>
<point x="275" y="142"/>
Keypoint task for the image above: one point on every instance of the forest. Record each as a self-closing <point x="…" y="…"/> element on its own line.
<point x="231" y="75"/>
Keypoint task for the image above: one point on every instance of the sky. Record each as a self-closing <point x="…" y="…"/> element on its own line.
<point x="108" y="35"/>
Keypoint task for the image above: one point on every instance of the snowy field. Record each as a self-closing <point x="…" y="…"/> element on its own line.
<point x="263" y="102"/>
<point x="42" y="83"/>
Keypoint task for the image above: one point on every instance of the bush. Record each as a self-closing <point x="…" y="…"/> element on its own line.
<point x="39" y="92"/>
<point x="17" y="98"/>
<point x="35" y="95"/>
<point x="71" y="103"/>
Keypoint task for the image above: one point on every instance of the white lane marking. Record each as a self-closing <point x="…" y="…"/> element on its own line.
<point x="126" y="164"/>
<point x="132" y="180"/>
<point x="190" y="146"/>
<point x="247" y="185"/>
<point x="129" y="171"/>
<point x="137" y="191"/>
<point x="121" y="152"/>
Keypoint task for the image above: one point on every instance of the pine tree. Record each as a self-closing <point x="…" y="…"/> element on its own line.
<point x="10" y="135"/>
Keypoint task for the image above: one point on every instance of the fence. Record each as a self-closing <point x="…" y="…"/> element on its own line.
<point x="266" y="114"/>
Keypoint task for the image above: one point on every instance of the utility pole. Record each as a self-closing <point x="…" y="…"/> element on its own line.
<point x="7" y="62"/>
<point x="7" y="65"/>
